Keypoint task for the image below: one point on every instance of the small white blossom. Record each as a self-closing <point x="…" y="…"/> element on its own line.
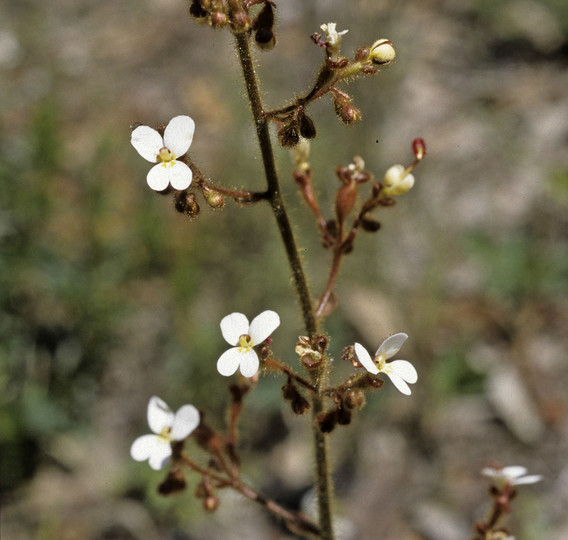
<point x="237" y="331"/>
<point x="514" y="475"/>
<point x="333" y="39"/>
<point x="178" y="136"/>
<point x="400" y="372"/>
<point x="167" y="427"/>
<point x="397" y="181"/>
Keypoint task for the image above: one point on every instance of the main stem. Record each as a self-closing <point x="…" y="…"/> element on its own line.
<point x="323" y="479"/>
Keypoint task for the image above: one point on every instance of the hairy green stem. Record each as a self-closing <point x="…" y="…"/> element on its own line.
<point x="323" y="479"/>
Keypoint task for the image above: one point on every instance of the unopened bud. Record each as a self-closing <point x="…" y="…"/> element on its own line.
<point x="218" y="19"/>
<point x="419" y="148"/>
<point x="214" y="199"/>
<point x="210" y="503"/>
<point x="382" y="52"/>
<point x="240" y="21"/>
<point x="264" y="26"/>
<point x="397" y="181"/>
<point x="343" y="416"/>
<point x="345" y="201"/>
<point x="362" y="54"/>
<point x="347" y="113"/>
<point x="327" y="421"/>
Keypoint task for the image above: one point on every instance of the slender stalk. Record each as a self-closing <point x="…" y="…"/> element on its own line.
<point x="323" y="479"/>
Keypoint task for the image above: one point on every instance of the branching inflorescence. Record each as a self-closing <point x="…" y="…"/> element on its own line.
<point x="359" y="196"/>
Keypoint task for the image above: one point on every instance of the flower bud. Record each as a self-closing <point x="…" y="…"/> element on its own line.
<point x="370" y="224"/>
<point x="214" y="199"/>
<point x="354" y="399"/>
<point x="347" y="113"/>
<point x="397" y="181"/>
<point x="419" y="148"/>
<point x="327" y="420"/>
<point x="218" y="19"/>
<point x="264" y="27"/>
<point x="240" y="21"/>
<point x="382" y="52"/>
<point x="307" y="127"/>
<point x="186" y="203"/>
<point x="210" y="503"/>
<point x="345" y="201"/>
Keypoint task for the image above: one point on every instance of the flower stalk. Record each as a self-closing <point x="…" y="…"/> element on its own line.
<point x="323" y="479"/>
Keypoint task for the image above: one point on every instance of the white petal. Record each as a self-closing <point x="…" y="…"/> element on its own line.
<point x="160" y="455"/>
<point x="152" y="448"/>
<point x="513" y="471"/>
<point x="179" y="134"/>
<point x="490" y="472"/>
<point x="249" y="363"/>
<point x="391" y="345"/>
<point x="531" y="479"/>
<point x="263" y="325"/>
<point x="405" y="370"/>
<point x="160" y="416"/>
<point x="401" y="386"/>
<point x="233" y="326"/>
<point x="365" y="359"/>
<point x="158" y="178"/>
<point x="143" y="447"/>
<point x="179" y="174"/>
<point x="147" y="142"/>
<point x="185" y="421"/>
<point x="229" y="362"/>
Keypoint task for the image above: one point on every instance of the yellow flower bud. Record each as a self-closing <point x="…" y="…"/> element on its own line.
<point x="382" y="52"/>
<point x="397" y="181"/>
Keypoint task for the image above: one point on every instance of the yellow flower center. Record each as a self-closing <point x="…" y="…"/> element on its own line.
<point x="245" y="343"/>
<point x="165" y="435"/>
<point x="166" y="156"/>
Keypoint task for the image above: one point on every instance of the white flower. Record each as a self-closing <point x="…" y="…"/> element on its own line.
<point x="510" y="476"/>
<point x="397" y="181"/>
<point x="237" y="331"/>
<point x="400" y="372"/>
<point x="333" y="39"/>
<point x="167" y="427"/>
<point x="176" y="142"/>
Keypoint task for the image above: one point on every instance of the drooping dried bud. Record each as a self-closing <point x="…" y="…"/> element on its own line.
<point x="197" y="10"/>
<point x="264" y="27"/>
<point x="186" y="203"/>
<point x="354" y="399"/>
<point x="382" y="52"/>
<point x="173" y="483"/>
<point x="343" y="416"/>
<point x="370" y="224"/>
<point x="289" y="135"/>
<point x="307" y="127"/>
<point x="327" y="421"/>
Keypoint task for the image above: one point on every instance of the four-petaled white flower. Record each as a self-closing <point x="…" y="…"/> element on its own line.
<point x="167" y="427"/>
<point x="514" y="475"/>
<point x="400" y="372"/>
<point x="333" y="39"/>
<point x="165" y="152"/>
<point x="237" y="331"/>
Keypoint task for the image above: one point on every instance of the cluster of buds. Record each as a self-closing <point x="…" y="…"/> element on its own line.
<point x="235" y="14"/>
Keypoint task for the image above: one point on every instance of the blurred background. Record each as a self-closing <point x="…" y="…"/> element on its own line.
<point x="109" y="296"/>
